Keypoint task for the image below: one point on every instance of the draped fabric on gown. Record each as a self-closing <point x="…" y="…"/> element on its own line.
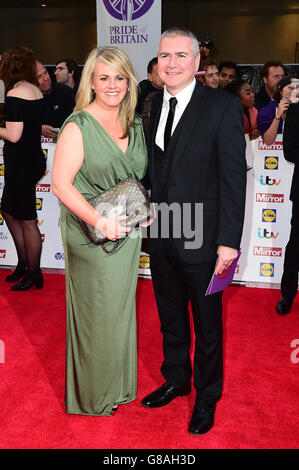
<point x="101" y="355"/>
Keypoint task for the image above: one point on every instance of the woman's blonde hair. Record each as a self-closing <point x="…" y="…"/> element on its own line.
<point x="120" y="62"/>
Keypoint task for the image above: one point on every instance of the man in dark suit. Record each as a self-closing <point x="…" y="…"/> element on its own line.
<point x="198" y="159"/>
<point x="289" y="280"/>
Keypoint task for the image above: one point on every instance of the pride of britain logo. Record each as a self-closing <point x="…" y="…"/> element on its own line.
<point x="127" y="10"/>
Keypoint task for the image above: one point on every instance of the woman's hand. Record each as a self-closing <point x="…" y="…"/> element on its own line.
<point x="112" y="228"/>
<point x="148" y="222"/>
<point x="282" y="107"/>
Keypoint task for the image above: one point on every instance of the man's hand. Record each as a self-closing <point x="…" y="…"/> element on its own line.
<point x="226" y="256"/>
<point x="47" y="131"/>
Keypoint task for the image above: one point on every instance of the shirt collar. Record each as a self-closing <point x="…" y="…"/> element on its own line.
<point x="182" y="96"/>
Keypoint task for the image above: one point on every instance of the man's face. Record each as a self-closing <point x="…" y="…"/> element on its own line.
<point x="177" y="63"/>
<point x="154" y="77"/>
<point x="61" y="73"/>
<point x="275" y="74"/>
<point x="211" y="77"/>
<point x="226" y="76"/>
<point x="44" y="80"/>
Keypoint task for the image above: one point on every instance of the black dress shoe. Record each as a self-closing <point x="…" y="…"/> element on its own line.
<point x="18" y="273"/>
<point x="284" y="306"/>
<point x="164" y="395"/>
<point x="31" y="278"/>
<point x="202" y="419"/>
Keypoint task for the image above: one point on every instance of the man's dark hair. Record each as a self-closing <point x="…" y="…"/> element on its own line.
<point x="267" y="65"/>
<point x="72" y="67"/>
<point x="151" y="64"/>
<point x="228" y="64"/>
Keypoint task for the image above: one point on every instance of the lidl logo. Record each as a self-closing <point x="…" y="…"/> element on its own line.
<point x="39" y="204"/>
<point x="271" y="163"/>
<point x="2" y="169"/>
<point x="269" y="215"/>
<point x="45" y="152"/>
<point x="144" y="262"/>
<point x="267" y="269"/>
<point x="1" y="220"/>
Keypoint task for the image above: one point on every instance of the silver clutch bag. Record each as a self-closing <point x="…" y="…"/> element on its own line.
<point x="128" y="197"/>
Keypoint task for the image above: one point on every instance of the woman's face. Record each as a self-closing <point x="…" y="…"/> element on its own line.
<point x="110" y="87"/>
<point x="246" y="94"/>
<point x="286" y="92"/>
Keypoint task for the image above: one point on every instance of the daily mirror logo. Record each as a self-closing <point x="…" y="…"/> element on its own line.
<point x="127" y="10"/>
<point x="276" y="146"/>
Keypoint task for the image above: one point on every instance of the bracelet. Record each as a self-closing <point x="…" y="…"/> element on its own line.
<point x="278" y="119"/>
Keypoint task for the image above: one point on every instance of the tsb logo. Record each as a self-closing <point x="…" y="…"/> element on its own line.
<point x="39" y="204"/>
<point x="267" y="269"/>
<point x="271" y="163"/>
<point x="268" y="215"/>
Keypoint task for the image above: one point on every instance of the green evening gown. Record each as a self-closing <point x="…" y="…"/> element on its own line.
<point x="101" y="352"/>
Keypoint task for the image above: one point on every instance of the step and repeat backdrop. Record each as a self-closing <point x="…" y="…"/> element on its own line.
<point x="266" y="226"/>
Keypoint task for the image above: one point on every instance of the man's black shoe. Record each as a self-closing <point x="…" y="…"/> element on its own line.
<point x="164" y="395"/>
<point x="202" y="419"/>
<point x="284" y="306"/>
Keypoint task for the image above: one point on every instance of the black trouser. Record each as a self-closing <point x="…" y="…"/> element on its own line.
<point x="289" y="280"/>
<point x="175" y="284"/>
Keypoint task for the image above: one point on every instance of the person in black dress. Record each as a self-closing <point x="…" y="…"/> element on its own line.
<point x="24" y="163"/>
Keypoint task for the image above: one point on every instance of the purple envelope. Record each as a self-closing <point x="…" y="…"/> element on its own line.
<point x="219" y="282"/>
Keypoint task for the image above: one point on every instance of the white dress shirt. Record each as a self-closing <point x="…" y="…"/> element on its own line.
<point x="183" y="97"/>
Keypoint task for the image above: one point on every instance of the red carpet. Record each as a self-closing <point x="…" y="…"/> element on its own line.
<point x="258" y="410"/>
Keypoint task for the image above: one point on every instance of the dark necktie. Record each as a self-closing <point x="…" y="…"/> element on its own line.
<point x="169" y="122"/>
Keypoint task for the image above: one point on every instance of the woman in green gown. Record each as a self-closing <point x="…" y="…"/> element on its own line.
<point x="100" y="144"/>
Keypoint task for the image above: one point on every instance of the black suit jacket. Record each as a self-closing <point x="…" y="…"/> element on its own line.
<point x="291" y="146"/>
<point x="208" y="166"/>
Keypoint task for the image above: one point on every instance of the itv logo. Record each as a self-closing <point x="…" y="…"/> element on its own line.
<point x="267" y="181"/>
<point x="264" y="233"/>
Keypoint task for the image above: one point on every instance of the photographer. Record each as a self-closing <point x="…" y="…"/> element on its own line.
<point x="271" y="117"/>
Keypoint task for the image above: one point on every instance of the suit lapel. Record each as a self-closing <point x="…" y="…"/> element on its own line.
<point x="186" y="126"/>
